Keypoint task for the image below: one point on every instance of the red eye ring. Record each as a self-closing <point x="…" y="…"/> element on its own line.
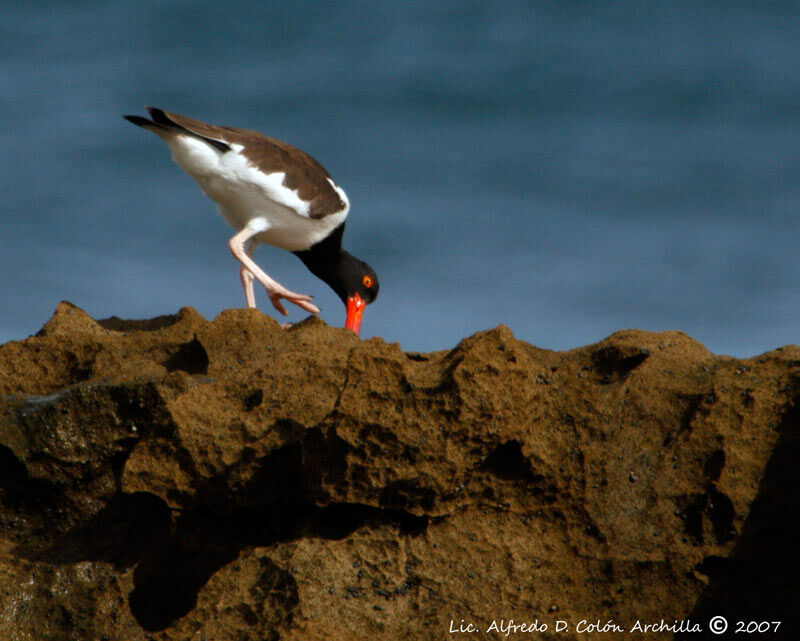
<point x="367" y="281"/>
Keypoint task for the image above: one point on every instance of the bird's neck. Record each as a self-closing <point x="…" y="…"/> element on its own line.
<point x="326" y="259"/>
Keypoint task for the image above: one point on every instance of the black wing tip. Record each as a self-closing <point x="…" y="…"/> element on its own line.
<point x="160" y="116"/>
<point x="138" y="120"/>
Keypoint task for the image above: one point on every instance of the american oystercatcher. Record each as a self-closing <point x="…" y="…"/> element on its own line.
<point x="273" y="193"/>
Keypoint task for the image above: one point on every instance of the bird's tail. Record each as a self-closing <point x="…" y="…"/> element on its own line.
<point x="163" y="127"/>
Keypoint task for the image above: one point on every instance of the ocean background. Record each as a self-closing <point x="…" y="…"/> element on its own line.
<point x="568" y="168"/>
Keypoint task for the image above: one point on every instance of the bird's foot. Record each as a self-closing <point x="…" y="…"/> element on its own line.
<point x="301" y="300"/>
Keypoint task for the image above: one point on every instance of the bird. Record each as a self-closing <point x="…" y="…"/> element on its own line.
<point x="270" y="192"/>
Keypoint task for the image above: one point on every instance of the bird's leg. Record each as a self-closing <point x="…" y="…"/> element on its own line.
<point x="247" y="282"/>
<point x="239" y="246"/>
<point x="247" y="276"/>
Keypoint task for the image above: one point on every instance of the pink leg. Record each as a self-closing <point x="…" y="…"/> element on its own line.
<point x="239" y="246"/>
<point x="247" y="282"/>
<point x="247" y="276"/>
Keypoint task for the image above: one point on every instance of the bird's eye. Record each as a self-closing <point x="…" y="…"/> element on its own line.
<point x="367" y="281"/>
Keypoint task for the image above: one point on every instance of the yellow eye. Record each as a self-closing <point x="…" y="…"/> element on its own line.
<point x="367" y="281"/>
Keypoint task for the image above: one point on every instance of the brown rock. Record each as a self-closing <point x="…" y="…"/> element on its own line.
<point x="184" y="479"/>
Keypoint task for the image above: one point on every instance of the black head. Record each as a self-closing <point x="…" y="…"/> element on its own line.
<point x="357" y="286"/>
<point x="361" y="282"/>
<point x="346" y="275"/>
<point x="355" y="282"/>
<point x="359" y="278"/>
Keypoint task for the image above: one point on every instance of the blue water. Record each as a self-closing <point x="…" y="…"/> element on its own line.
<point x="565" y="168"/>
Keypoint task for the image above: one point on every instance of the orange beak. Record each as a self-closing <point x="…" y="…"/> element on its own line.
<point x="355" y="310"/>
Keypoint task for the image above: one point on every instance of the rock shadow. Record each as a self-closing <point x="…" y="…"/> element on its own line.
<point x="760" y="580"/>
<point x="176" y="552"/>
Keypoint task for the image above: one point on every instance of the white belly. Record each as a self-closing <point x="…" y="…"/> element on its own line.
<point x="244" y="193"/>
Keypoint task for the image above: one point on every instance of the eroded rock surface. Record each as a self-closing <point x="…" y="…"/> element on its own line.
<point x="181" y="479"/>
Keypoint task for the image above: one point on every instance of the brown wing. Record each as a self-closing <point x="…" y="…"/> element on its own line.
<point x="303" y="174"/>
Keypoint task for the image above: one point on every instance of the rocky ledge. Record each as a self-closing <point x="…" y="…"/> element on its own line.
<point x="178" y="479"/>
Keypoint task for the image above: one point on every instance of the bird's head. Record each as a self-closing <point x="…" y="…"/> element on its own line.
<point x="352" y="279"/>
<point x="360" y="289"/>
